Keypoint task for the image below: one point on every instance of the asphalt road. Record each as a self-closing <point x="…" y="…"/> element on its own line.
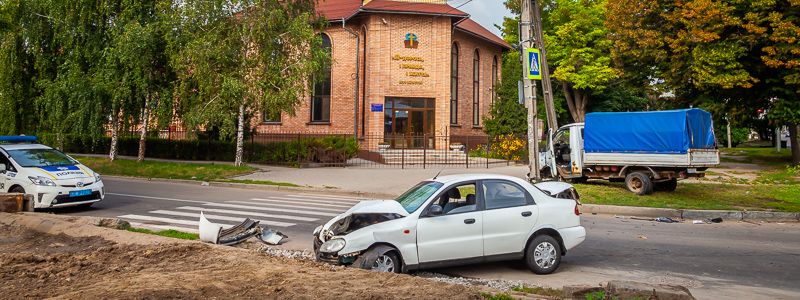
<point x="726" y="260"/>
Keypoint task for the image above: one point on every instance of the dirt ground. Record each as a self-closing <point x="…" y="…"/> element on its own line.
<point x="93" y="263"/>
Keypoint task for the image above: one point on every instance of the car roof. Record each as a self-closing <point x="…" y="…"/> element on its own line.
<point x="23" y="146"/>
<point x="468" y="177"/>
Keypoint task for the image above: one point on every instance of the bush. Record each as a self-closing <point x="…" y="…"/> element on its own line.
<point x="328" y="149"/>
<point x="507" y="147"/>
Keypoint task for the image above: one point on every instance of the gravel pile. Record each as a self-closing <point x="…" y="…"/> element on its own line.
<point x="296" y="254"/>
<point x="504" y="285"/>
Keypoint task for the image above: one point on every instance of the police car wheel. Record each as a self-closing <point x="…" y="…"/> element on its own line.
<point x="17" y="189"/>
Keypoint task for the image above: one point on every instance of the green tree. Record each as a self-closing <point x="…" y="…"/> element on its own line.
<point x="135" y="74"/>
<point x="239" y="57"/>
<point x="741" y="55"/>
<point x="579" y="51"/>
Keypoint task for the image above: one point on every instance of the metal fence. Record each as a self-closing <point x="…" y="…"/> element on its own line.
<point x="326" y="149"/>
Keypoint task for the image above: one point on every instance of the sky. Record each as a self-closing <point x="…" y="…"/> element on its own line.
<point x="485" y="12"/>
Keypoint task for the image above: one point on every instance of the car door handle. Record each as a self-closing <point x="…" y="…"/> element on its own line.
<point x="526" y="214"/>
<point x="469" y="221"/>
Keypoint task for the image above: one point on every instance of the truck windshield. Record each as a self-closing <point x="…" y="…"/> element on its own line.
<point x="40" y="158"/>
<point x="412" y="199"/>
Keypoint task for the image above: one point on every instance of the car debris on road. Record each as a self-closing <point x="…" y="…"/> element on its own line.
<point x="215" y="234"/>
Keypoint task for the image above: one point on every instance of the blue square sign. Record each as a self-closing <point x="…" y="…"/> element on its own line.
<point x="376" y="107"/>
<point x="534" y="65"/>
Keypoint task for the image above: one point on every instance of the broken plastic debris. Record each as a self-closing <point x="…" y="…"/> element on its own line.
<point x="698" y="222"/>
<point x="643" y="237"/>
<point x="666" y="220"/>
<point x="715" y="220"/>
<point x="215" y="234"/>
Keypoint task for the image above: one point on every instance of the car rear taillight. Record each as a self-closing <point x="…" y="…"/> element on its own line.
<point x="577" y="210"/>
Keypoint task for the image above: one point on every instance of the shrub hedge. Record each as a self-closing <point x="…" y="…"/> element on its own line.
<point x="328" y="149"/>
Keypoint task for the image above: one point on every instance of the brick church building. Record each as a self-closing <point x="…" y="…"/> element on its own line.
<point x="408" y="73"/>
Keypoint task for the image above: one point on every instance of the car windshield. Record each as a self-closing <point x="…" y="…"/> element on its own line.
<point x="416" y="196"/>
<point x="40" y="158"/>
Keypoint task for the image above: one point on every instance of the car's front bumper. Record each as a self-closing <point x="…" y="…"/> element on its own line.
<point x="58" y="196"/>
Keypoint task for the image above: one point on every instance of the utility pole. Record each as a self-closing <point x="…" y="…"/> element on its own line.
<point x="529" y="89"/>
<point x="547" y="89"/>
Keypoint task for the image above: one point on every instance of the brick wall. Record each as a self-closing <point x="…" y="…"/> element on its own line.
<point x="381" y="76"/>
<point x="467" y="45"/>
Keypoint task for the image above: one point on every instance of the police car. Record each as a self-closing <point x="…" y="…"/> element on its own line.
<point x="52" y="177"/>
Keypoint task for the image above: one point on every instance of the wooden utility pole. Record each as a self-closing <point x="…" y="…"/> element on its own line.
<point x="547" y="89"/>
<point x="529" y="89"/>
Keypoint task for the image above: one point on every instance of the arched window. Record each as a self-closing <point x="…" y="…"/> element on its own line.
<point x="476" y="89"/>
<point x="321" y="97"/>
<point x="494" y="79"/>
<point x="454" y="85"/>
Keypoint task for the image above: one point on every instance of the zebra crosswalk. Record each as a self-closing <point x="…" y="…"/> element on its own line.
<point x="280" y="211"/>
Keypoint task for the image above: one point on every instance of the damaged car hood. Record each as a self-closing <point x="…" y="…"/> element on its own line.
<point x="377" y="207"/>
<point x="361" y="215"/>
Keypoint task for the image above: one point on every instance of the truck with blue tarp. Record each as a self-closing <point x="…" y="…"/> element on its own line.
<point x="647" y="150"/>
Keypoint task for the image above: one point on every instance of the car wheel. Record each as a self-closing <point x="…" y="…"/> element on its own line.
<point x="639" y="183"/>
<point x="381" y="259"/>
<point x="667" y="186"/>
<point x="543" y="255"/>
<point x="17" y="189"/>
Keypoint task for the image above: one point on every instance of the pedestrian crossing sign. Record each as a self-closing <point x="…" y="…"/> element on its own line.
<point x="534" y="64"/>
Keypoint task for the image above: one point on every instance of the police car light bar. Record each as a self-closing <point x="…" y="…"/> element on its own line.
<point x="17" y="139"/>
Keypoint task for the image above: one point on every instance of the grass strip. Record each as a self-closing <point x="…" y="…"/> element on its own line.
<point x="167" y="233"/>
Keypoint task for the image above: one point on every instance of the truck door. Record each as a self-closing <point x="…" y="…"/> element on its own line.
<point x="576" y="150"/>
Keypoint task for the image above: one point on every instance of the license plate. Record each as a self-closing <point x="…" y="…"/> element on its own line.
<point x="80" y="193"/>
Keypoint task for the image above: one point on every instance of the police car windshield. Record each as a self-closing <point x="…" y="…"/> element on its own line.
<point x="40" y="158"/>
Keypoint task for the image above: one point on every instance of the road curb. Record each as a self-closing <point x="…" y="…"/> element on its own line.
<point x="690" y="213"/>
<point x="585" y="208"/>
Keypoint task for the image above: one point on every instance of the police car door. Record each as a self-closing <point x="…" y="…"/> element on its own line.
<point x="5" y="179"/>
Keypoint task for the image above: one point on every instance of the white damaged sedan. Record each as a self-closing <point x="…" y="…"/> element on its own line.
<point x="456" y="220"/>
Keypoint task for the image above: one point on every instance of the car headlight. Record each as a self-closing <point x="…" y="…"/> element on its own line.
<point x="39" y="180"/>
<point x="96" y="177"/>
<point x="317" y="230"/>
<point x="332" y="246"/>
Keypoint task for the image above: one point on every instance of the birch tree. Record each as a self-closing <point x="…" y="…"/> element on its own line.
<point x="241" y="57"/>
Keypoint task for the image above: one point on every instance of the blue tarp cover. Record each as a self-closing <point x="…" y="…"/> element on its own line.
<point x="669" y="131"/>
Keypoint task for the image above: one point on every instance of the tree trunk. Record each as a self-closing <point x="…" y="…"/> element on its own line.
<point x="112" y="154"/>
<point x="794" y="129"/>
<point x="240" y="137"/>
<point x="569" y="99"/>
<point x="145" y="117"/>
<point x="577" y="101"/>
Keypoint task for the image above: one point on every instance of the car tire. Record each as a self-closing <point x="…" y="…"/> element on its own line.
<point x="639" y="183"/>
<point x="667" y="186"/>
<point x="17" y="189"/>
<point x="543" y="255"/>
<point x="381" y="259"/>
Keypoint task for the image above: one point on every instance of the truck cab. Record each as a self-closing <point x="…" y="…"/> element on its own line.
<point x="649" y="151"/>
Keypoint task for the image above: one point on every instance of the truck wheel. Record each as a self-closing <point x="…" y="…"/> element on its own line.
<point x="667" y="186"/>
<point x="639" y="183"/>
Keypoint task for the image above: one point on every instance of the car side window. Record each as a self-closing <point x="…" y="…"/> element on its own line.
<point x="459" y="198"/>
<point x="503" y="194"/>
<point x="5" y="161"/>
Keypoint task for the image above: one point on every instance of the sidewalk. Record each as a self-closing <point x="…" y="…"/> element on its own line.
<point x="389" y="181"/>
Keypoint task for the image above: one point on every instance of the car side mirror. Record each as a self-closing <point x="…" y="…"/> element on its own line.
<point x="436" y="210"/>
<point x="2" y="168"/>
